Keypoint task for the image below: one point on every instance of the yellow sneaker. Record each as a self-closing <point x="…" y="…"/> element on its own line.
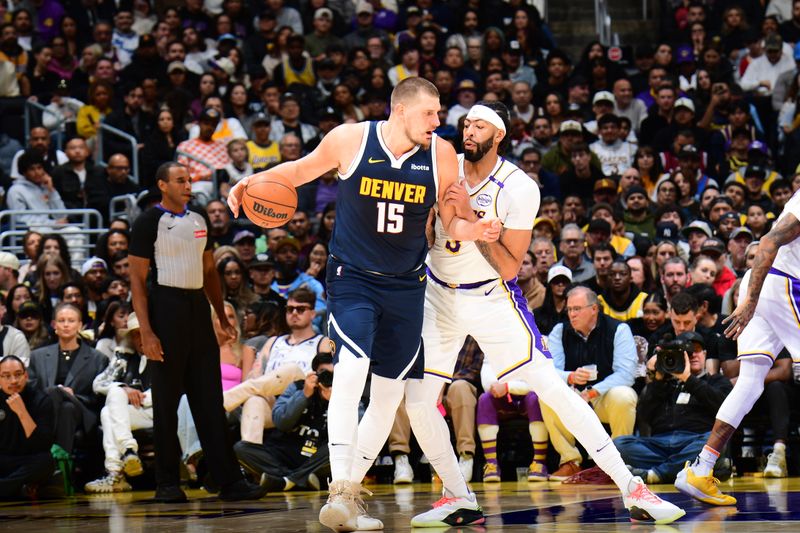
<point x="537" y="472"/>
<point x="703" y="488"/>
<point x="491" y="473"/>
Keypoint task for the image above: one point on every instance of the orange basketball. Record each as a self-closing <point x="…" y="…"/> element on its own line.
<point x="269" y="201"/>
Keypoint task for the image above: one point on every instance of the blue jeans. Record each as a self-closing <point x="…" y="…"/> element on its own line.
<point x="665" y="454"/>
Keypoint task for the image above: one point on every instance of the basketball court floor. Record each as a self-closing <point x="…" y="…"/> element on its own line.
<point x="765" y="505"/>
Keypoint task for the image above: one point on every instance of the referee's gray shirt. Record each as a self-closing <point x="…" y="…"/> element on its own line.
<point x="174" y="243"/>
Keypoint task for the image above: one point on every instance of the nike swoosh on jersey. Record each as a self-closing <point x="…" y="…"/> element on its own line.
<point x="486" y="293"/>
<point x="422" y="277"/>
<point x="373" y="161"/>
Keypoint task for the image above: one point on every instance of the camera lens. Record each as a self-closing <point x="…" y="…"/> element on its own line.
<point x="325" y="378"/>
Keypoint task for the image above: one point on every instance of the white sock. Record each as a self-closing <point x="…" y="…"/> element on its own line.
<point x="705" y="462"/>
<point x="349" y="377"/>
<point x="432" y="433"/>
<point x="779" y="448"/>
<point x="373" y="430"/>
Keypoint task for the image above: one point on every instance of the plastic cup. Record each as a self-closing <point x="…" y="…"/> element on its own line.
<point x="592" y="369"/>
<point x="522" y="474"/>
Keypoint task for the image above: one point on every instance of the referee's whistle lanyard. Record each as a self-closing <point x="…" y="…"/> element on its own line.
<point x="159" y="205"/>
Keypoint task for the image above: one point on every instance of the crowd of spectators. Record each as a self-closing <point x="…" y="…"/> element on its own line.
<point x="658" y="175"/>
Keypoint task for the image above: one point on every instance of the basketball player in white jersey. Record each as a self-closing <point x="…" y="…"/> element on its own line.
<point x="766" y="320"/>
<point x="472" y="290"/>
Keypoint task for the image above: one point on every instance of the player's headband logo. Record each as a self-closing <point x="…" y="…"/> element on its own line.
<point x="481" y="112"/>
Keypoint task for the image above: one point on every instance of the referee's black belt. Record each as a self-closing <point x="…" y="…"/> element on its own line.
<point x="179" y="290"/>
<point x="474" y="285"/>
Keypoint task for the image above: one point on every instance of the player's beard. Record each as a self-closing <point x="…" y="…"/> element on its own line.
<point x="481" y="150"/>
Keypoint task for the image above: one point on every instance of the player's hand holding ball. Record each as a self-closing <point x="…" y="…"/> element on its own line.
<point x="268" y="200"/>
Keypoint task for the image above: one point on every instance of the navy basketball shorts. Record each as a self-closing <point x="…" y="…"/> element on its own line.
<point x="377" y="317"/>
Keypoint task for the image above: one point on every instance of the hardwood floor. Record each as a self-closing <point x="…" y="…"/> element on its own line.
<point x="764" y="506"/>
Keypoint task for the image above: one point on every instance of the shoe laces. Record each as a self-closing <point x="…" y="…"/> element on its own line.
<point x="361" y="505"/>
<point x="641" y="492"/>
<point x="444" y="500"/>
<point x="490" y="468"/>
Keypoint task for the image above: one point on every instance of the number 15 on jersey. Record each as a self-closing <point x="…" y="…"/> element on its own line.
<point x="390" y="217"/>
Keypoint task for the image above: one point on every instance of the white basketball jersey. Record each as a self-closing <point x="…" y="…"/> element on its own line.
<point x="283" y="353"/>
<point x="508" y="194"/>
<point x="788" y="258"/>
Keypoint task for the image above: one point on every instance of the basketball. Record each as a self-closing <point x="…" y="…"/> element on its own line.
<point x="269" y="201"/>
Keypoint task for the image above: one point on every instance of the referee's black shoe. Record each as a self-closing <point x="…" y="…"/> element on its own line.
<point x="169" y="494"/>
<point x="242" y="490"/>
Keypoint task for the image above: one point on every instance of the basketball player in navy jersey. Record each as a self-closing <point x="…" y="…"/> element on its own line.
<point x="391" y="174"/>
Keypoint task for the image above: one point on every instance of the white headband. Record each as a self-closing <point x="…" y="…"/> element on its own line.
<point x="482" y="112"/>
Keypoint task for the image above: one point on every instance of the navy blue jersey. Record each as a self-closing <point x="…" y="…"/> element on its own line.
<point x="382" y="206"/>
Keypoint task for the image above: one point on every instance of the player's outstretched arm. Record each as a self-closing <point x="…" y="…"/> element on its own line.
<point x="461" y="229"/>
<point x="784" y="232"/>
<point x="336" y="150"/>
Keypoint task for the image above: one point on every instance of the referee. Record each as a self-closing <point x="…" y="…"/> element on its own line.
<point x="175" y="323"/>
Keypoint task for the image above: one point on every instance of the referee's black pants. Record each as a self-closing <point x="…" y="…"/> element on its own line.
<point x="181" y="319"/>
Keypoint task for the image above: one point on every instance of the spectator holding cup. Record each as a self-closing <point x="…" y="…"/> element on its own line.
<point x="595" y="354"/>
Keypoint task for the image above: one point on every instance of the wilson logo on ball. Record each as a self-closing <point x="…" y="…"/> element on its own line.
<point x="268" y="211"/>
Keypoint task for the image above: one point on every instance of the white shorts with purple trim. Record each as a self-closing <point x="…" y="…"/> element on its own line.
<point x="776" y="321"/>
<point x="495" y="314"/>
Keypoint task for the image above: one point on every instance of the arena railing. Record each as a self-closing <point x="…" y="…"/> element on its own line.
<point x="602" y="22"/>
<point x="80" y="249"/>
<point x="29" y="107"/>
<point x="214" y="177"/>
<point x="105" y="129"/>
<point x="123" y="206"/>
<point x="82" y="218"/>
<point x="83" y="223"/>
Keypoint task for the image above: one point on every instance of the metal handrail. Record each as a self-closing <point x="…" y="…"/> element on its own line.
<point x="209" y="166"/>
<point x="122" y="206"/>
<point x="128" y="137"/>
<point x="88" y="216"/>
<point x="27" y="114"/>
<point x="15" y="246"/>
<point x="602" y="22"/>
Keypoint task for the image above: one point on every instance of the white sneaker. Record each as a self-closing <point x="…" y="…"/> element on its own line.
<point x="645" y="506"/>
<point x="776" y="465"/>
<point x="465" y="464"/>
<point x="403" y="473"/>
<point x="451" y="511"/>
<point x="345" y="510"/>
<point x="112" y="482"/>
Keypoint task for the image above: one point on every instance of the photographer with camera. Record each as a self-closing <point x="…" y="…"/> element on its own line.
<point x="296" y="453"/>
<point x="678" y="405"/>
<point x="282" y="360"/>
<point x="684" y="316"/>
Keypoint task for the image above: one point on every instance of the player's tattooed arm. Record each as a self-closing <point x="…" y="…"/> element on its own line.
<point x="506" y="254"/>
<point x="485" y="248"/>
<point x="784" y="232"/>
